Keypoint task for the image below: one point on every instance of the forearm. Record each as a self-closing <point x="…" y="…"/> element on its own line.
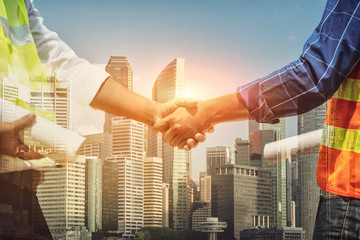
<point x="329" y="55"/>
<point x="116" y="99"/>
<point x="225" y="108"/>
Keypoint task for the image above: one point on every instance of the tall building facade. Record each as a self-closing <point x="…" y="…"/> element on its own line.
<point x="96" y="148"/>
<point x="130" y="196"/>
<point x="191" y="198"/>
<point x="153" y="204"/>
<point x="215" y="156"/>
<point x="260" y="134"/>
<point x="55" y="100"/>
<point x="241" y="197"/>
<point x="242" y="151"/>
<point x="110" y="207"/>
<point x="97" y="145"/>
<point x="93" y="194"/>
<point x="308" y="190"/>
<point x="165" y="206"/>
<point x="128" y="152"/>
<point x="171" y="83"/>
<point x="205" y="187"/>
<point x="61" y="193"/>
<point x="200" y="212"/>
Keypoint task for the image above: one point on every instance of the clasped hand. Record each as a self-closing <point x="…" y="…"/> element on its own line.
<point x="11" y="144"/>
<point x="186" y="126"/>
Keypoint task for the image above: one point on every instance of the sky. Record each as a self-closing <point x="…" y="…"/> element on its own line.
<point x="225" y="44"/>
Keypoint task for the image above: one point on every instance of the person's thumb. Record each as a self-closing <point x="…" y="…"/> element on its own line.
<point x="24" y="122"/>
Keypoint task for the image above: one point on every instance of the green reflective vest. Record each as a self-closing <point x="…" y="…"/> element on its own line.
<point x="18" y="54"/>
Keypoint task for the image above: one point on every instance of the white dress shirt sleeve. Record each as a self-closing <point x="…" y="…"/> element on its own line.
<point x="84" y="77"/>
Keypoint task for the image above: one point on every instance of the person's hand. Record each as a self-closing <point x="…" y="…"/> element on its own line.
<point x="164" y="109"/>
<point x="183" y="124"/>
<point x="169" y="107"/>
<point x="10" y="143"/>
<point x="194" y="142"/>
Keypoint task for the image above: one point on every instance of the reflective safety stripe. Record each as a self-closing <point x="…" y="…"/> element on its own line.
<point x="45" y="114"/>
<point x="5" y="26"/>
<point x="349" y="90"/>
<point x="18" y="35"/>
<point x="341" y="138"/>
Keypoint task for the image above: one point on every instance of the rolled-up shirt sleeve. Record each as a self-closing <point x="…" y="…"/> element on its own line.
<point x="85" y="78"/>
<point x="329" y="55"/>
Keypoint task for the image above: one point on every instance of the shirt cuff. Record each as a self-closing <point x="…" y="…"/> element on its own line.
<point x="251" y="97"/>
<point x="85" y="89"/>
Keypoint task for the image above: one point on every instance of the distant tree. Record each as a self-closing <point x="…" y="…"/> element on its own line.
<point x="154" y="233"/>
<point x="142" y="235"/>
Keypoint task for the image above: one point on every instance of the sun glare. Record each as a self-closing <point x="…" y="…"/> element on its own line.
<point x="191" y="93"/>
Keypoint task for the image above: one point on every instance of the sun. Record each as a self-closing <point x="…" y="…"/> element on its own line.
<point x="191" y="93"/>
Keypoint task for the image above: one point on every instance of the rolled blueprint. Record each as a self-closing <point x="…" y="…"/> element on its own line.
<point x="298" y="145"/>
<point x="46" y="132"/>
<point x="49" y="162"/>
<point x="15" y="164"/>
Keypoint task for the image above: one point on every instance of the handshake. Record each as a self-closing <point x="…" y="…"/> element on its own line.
<point x="182" y="122"/>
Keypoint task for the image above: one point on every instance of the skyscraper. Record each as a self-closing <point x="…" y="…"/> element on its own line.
<point x="205" y="187"/>
<point x="215" y="156"/>
<point x="308" y="195"/>
<point x="242" y="151"/>
<point x="93" y="194"/>
<point x="130" y="195"/>
<point x="191" y="198"/>
<point x="128" y="153"/>
<point x="165" y="205"/>
<point x="97" y="148"/>
<point x="200" y="212"/>
<point x="97" y="145"/>
<point x="55" y="99"/>
<point x="171" y="83"/>
<point x="260" y="134"/>
<point x="110" y="194"/>
<point x="61" y="193"/>
<point x="153" y="204"/>
<point x="241" y="197"/>
<point x="120" y="70"/>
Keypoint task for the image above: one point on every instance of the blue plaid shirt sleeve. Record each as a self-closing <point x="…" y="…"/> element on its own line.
<point x="329" y="55"/>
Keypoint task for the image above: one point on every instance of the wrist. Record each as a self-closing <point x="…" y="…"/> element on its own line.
<point x="225" y="108"/>
<point x="210" y="112"/>
<point x="154" y="113"/>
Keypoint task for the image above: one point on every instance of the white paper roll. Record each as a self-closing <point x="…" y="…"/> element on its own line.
<point x="300" y="145"/>
<point x="44" y="131"/>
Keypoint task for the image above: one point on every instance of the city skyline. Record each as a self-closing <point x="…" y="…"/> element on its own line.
<point x="225" y="45"/>
<point x="126" y="183"/>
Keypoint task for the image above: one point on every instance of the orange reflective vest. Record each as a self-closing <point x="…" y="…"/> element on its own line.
<point x="338" y="170"/>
